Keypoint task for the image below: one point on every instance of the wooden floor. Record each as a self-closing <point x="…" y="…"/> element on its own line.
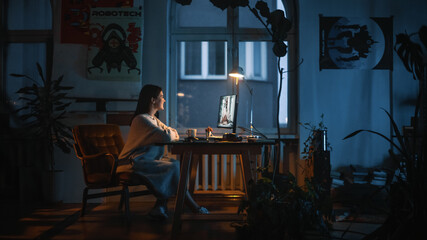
<point x="105" y="221"/>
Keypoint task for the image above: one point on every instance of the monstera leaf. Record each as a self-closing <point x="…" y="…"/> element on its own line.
<point x="422" y="33"/>
<point x="411" y="53"/>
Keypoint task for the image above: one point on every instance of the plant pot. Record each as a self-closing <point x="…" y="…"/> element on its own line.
<point x="29" y="185"/>
<point x="320" y="142"/>
<point x="53" y="181"/>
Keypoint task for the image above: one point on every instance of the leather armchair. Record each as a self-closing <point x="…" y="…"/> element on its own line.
<point x="98" y="147"/>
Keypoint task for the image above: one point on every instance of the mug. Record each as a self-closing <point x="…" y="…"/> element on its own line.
<point x="191" y="133"/>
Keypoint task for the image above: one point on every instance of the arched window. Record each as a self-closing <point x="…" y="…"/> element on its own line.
<point x="206" y="43"/>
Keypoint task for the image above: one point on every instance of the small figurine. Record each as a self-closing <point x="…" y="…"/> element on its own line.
<point x="209" y="132"/>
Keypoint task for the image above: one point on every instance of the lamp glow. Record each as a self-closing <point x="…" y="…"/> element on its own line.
<point x="236" y="73"/>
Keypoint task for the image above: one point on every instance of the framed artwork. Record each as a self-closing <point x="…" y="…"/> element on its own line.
<point x="75" y="18"/>
<point x="115" y="52"/>
<point x="356" y="43"/>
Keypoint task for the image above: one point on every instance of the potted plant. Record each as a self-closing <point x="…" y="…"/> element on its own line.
<point x="407" y="208"/>
<point x="316" y="140"/>
<point x="316" y="156"/>
<point x="44" y="108"/>
<point x="284" y="210"/>
<point x="279" y="208"/>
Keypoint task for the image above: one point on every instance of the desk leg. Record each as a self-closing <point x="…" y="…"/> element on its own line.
<point x="180" y="197"/>
<point x="193" y="172"/>
<point x="246" y="169"/>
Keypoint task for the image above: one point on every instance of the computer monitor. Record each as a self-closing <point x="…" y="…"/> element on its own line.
<point x="227" y="112"/>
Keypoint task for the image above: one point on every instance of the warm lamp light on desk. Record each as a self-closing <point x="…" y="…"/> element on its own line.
<point x="237" y="74"/>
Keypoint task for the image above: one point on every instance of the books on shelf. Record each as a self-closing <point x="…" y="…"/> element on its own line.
<point x="360" y="177"/>
<point x="336" y="179"/>
<point x="379" y="178"/>
<point x="337" y="183"/>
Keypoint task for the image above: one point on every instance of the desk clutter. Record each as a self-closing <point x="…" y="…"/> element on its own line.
<point x="227" y="137"/>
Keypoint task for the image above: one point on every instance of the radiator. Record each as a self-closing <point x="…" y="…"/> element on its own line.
<point x="219" y="173"/>
<point x="223" y="173"/>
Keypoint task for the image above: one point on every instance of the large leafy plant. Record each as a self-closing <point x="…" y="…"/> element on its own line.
<point x="284" y="210"/>
<point x="407" y="191"/>
<point x="408" y="209"/>
<point x="44" y="108"/>
<point x="414" y="58"/>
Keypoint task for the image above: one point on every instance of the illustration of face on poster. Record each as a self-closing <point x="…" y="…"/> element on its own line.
<point x="115" y="50"/>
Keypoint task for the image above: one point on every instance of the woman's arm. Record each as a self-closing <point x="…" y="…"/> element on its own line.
<point x="170" y="131"/>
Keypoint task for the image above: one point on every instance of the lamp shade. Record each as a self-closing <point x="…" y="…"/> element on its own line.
<point x="237" y="72"/>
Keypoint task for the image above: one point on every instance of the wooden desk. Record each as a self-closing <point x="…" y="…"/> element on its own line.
<point x="189" y="151"/>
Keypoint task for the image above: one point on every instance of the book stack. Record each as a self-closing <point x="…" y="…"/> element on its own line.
<point x="360" y="177"/>
<point x="379" y="178"/>
<point x="336" y="179"/>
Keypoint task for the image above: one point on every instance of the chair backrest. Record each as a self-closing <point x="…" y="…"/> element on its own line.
<point x="98" y="138"/>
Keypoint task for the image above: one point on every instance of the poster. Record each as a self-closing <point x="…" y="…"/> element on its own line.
<point x="75" y="18"/>
<point x="115" y="51"/>
<point x="356" y="43"/>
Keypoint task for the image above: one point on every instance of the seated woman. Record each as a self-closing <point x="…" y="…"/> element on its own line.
<point x="146" y="159"/>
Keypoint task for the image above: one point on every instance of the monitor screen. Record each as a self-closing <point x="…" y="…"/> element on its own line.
<point x="227" y="111"/>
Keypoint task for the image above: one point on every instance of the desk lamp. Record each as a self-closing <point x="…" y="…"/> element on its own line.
<point x="237" y="74"/>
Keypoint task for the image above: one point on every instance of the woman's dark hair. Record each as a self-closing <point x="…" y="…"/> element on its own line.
<point x="147" y="92"/>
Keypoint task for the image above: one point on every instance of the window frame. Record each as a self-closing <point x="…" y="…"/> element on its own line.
<point x="232" y="34"/>
<point x="21" y="36"/>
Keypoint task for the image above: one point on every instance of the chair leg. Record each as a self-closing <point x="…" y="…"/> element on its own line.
<point x="126" y="199"/>
<point x="84" y="201"/>
<point x="121" y="200"/>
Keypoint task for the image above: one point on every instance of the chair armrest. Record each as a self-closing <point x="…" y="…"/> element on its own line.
<point x="78" y="151"/>
<point x="100" y="162"/>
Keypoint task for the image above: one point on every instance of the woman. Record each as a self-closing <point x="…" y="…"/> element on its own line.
<point x="146" y="159"/>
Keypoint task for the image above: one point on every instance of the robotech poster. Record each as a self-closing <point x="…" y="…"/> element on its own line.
<point x="115" y="51"/>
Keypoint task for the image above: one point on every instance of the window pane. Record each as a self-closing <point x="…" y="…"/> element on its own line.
<point x="198" y="99"/>
<point x="253" y="59"/>
<point x="247" y="18"/>
<point x="21" y="59"/>
<point x="29" y="15"/>
<point x="203" y="60"/>
<point x="198" y="102"/>
<point x="216" y="58"/>
<point x="193" y="58"/>
<point x="260" y="86"/>
<point x="283" y="112"/>
<point x="257" y="59"/>
<point x="201" y="14"/>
